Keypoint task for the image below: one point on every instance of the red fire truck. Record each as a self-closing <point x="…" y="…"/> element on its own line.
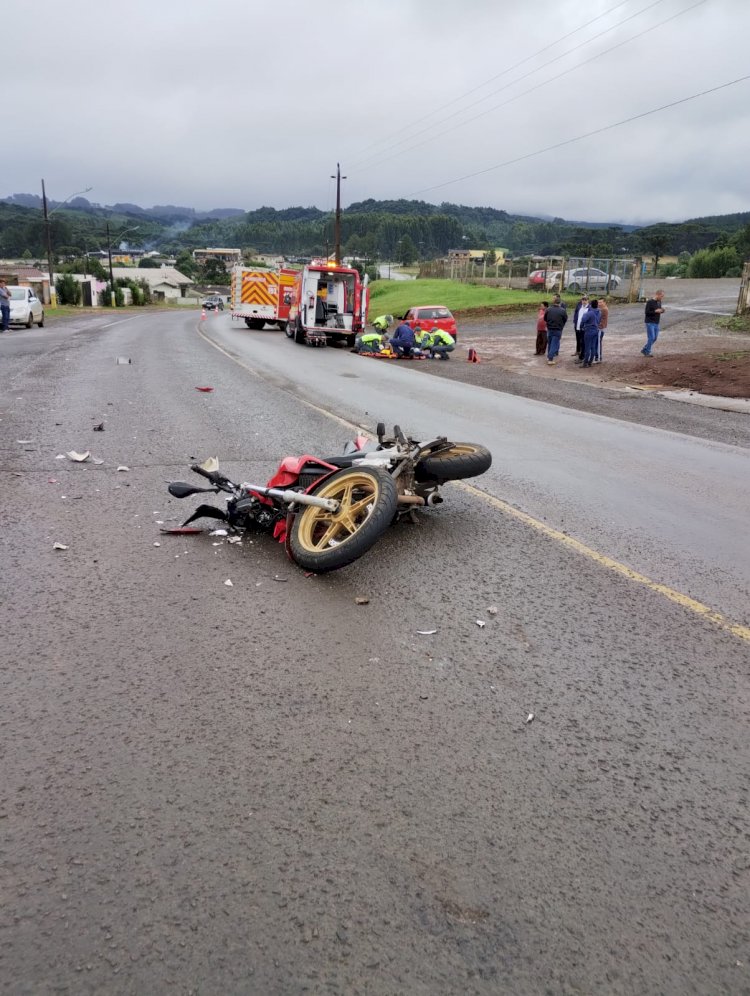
<point x="329" y="304"/>
<point x="260" y="296"/>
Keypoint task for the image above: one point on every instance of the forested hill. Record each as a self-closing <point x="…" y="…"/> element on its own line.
<point x="369" y="227"/>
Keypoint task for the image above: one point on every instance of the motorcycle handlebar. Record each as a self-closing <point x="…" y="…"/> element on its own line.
<point x="211" y="475"/>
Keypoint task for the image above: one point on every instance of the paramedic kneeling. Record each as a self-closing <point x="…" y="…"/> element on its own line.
<point x="402" y="340"/>
<point x="369" y="342"/>
<point x="442" y="344"/>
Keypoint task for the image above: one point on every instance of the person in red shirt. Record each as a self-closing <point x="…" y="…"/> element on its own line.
<point x="541" y="330"/>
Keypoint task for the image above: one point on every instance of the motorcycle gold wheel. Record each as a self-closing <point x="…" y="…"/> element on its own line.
<point x="323" y="541"/>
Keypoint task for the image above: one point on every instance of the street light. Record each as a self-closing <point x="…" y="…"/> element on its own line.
<point x="52" y="294"/>
<point x="109" y="253"/>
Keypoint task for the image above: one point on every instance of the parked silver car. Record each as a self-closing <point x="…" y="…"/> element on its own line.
<point x="25" y="307"/>
<point x="583" y="279"/>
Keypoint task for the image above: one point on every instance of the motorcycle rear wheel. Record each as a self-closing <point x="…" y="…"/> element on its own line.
<point x="322" y="541"/>
<point x="455" y="463"/>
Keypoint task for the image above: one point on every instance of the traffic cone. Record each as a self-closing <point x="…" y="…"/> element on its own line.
<point x="473" y="356"/>
<point x="203" y="315"/>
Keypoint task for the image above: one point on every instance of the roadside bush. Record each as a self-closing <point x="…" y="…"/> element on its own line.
<point x="68" y="289"/>
<point x="714" y="262"/>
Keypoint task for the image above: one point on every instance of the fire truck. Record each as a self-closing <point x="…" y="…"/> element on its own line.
<point x="329" y="304"/>
<point x="260" y="296"/>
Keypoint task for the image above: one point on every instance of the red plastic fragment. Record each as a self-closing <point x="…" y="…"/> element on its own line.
<point x="204" y="389"/>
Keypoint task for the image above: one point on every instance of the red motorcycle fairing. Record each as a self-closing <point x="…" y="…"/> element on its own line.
<point x="290" y="468"/>
<point x="361" y="442"/>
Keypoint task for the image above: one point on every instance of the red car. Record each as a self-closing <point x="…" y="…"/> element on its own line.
<point x="430" y="316"/>
<point x="537" y="279"/>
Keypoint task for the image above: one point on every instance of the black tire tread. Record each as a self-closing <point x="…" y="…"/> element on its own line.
<point x="450" y="466"/>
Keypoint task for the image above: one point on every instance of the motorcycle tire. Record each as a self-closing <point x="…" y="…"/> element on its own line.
<point x="322" y="541"/>
<point x="455" y="463"/>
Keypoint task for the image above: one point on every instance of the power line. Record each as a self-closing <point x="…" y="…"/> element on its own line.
<point x="376" y="155"/>
<point x="492" y="79"/>
<point x="579" y="138"/>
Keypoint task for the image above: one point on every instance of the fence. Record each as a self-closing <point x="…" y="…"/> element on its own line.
<point x="614" y="276"/>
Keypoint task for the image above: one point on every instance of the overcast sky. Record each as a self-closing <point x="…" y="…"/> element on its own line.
<point x="242" y="103"/>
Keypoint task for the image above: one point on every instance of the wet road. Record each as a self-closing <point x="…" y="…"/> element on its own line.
<point x="267" y="788"/>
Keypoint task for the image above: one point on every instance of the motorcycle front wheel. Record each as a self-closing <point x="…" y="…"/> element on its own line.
<point x="454" y="463"/>
<point x="323" y="541"/>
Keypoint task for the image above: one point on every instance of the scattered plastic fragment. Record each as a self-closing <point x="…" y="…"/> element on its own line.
<point x="210" y="465"/>
<point x="361" y="600"/>
<point x="97" y="461"/>
<point x="481" y="624"/>
<point x="60" y="456"/>
<point x="277" y="578"/>
<point x="218" y="532"/>
<point x="123" y="468"/>
<point x="78" y="457"/>
<point x="204" y="389"/>
<point x="99" y="428"/>
<point x="52" y="480"/>
<point x="25" y="442"/>
<point x="228" y="583"/>
<point x="59" y="546"/>
<point x="492" y="610"/>
<point x="120" y="361"/>
<point x="157" y="544"/>
<point x="235" y="539"/>
<point x="529" y="718"/>
<point x="426" y="632"/>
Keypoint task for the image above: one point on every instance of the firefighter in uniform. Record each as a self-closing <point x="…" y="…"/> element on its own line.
<point x="442" y="343"/>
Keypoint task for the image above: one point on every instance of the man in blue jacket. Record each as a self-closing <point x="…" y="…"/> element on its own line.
<point x="402" y="340"/>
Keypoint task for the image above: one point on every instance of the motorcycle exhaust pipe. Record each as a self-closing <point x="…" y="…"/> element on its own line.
<point x="434" y="498"/>
<point x="410" y="500"/>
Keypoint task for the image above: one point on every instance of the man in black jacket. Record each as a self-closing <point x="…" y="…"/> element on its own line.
<point x="555" y="316"/>
<point x="654" y="311"/>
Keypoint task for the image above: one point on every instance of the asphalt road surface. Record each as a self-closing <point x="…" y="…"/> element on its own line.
<point x="267" y="788"/>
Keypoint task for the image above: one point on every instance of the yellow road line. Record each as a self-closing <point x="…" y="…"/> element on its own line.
<point x="691" y="604"/>
<point x="678" y="597"/>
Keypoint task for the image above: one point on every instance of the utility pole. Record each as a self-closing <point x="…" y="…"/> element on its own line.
<point x="337" y="237"/>
<point x="52" y="296"/>
<point x="111" y="274"/>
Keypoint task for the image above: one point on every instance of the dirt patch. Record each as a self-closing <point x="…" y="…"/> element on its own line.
<point x="725" y="373"/>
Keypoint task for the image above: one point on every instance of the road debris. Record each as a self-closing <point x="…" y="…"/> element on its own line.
<point x="529" y="718"/>
<point x="157" y="544"/>
<point x="228" y="583"/>
<point x="234" y="539"/>
<point x="276" y="577"/>
<point x="361" y="600"/>
<point x="182" y="531"/>
<point x="492" y="610"/>
<point x="97" y="461"/>
<point x="210" y="465"/>
<point x="218" y="532"/>
<point x="120" y="361"/>
<point x="99" y="428"/>
<point x="426" y="632"/>
<point x="481" y="624"/>
<point x="59" y="546"/>
<point x="52" y="480"/>
<point x="78" y="457"/>
<point x="122" y="468"/>
<point x="60" y="456"/>
<point x="206" y="389"/>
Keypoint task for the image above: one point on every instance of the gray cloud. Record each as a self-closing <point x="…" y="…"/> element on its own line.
<point x="241" y="104"/>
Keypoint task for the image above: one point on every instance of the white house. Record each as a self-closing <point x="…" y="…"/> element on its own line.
<point x="165" y="282"/>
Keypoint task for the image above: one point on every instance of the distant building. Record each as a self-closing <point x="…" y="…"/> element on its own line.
<point x="229" y="257"/>
<point x="165" y="282"/>
<point x="21" y="275"/>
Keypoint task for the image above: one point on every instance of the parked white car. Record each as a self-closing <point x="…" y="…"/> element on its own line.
<point x="583" y="279"/>
<point x="25" y="307"/>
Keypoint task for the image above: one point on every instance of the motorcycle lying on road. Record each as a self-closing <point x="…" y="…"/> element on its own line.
<point x="330" y="511"/>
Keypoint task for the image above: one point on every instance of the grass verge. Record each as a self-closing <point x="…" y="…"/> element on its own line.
<point x="395" y="297"/>
<point x="734" y="323"/>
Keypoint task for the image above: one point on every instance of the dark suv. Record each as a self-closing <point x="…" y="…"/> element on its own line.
<point x="214" y="303"/>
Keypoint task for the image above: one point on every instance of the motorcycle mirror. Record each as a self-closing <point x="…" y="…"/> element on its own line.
<point x="179" y="489"/>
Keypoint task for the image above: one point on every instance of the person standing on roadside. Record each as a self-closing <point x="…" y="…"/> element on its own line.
<point x="4" y="307"/>
<point x="590" y="327"/>
<point x="541" y="330"/>
<point x="654" y="311"/>
<point x="603" y="322"/>
<point x="580" y="310"/>
<point x="555" y="316"/>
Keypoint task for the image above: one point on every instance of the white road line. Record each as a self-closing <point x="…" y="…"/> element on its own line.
<point x="121" y="321"/>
